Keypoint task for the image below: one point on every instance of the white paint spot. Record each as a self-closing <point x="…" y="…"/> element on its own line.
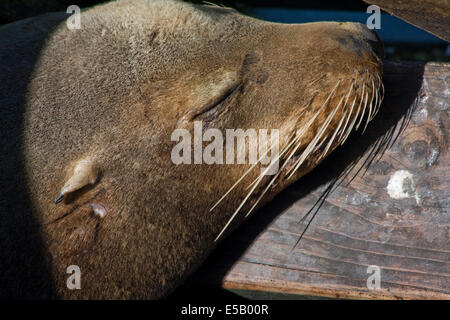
<point x="420" y="116"/>
<point x="401" y="185"/>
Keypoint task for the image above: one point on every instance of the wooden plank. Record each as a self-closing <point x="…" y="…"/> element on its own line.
<point x="430" y="15"/>
<point x="358" y="223"/>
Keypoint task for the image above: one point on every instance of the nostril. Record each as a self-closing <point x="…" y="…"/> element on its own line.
<point x="358" y="37"/>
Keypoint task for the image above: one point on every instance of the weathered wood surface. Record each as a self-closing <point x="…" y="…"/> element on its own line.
<point x="358" y="224"/>
<point x="430" y="15"/>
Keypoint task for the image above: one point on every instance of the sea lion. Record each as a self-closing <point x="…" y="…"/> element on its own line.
<point x="88" y="118"/>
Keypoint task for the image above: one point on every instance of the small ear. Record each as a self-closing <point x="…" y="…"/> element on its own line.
<point x="210" y="95"/>
<point x="84" y="173"/>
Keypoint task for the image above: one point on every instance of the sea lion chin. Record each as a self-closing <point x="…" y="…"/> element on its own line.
<point x="102" y="102"/>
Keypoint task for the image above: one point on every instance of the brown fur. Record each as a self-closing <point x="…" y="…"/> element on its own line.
<point x="114" y="91"/>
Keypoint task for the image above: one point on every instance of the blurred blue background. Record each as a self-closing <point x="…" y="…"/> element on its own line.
<point x="402" y="40"/>
<point x="393" y="30"/>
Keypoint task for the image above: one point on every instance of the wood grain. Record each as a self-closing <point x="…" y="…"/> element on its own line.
<point x="430" y="15"/>
<point x="318" y="237"/>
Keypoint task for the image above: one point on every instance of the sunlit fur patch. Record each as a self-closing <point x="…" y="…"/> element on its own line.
<point x="326" y="122"/>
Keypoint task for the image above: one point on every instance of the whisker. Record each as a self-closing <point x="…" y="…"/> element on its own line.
<point x="369" y="116"/>
<point x="339" y="125"/>
<point x="313" y="143"/>
<point x="352" y="125"/>
<point x="277" y="158"/>
<point x="243" y="202"/>
<point x="342" y="134"/>
<point x="341" y="130"/>
<point x="333" y="137"/>
<point x="364" y="109"/>
<point x="302" y="131"/>
<point x="376" y="105"/>
<point x="319" y="145"/>
<point x="240" y="179"/>
<point x="239" y="208"/>
<point x="261" y="196"/>
<point x="317" y="79"/>
<point x="252" y="166"/>
<point x="381" y="86"/>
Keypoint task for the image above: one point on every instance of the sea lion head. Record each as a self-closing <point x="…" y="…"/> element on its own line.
<point x="313" y="82"/>
<point x="103" y="104"/>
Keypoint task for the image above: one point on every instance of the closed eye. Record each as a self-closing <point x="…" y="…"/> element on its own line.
<point x="213" y="107"/>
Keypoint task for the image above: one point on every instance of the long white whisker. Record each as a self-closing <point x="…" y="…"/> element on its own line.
<point x="333" y="136"/>
<point x="261" y="196"/>
<point x="270" y="184"/>
<point x="369" y="116"/>
<point x="242" y="204"/>
<point x="364" y="109"/>
<point x="319" y="145"/>
<point x="249" y="169"/>
<point x="346" y="121"/>
<point x="346" y="100"/>
<point x="381" y="86"/>
<point x="376" y="106"/>
<point x="240" y="179"/>
<point x="255" y="184"/>
<point x="276" y="159"/>
<point x="352" y="125"/>
<point x="302" y="131"/>
<point x="313" y="143"/>
<point x="339" y="125"/>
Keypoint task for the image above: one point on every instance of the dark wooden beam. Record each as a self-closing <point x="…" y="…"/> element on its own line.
<point x="430" y="15"/>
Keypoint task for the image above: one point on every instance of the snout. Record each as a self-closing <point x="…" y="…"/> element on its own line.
<point x="364" y="38"/>
<point x="377" y="44"/>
